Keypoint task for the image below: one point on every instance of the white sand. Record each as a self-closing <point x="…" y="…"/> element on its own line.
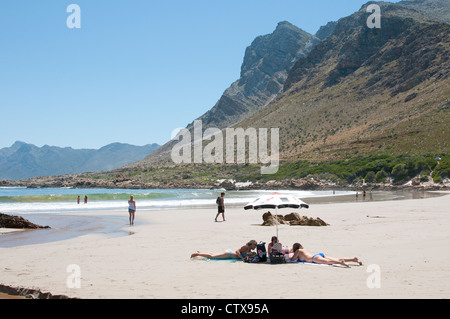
<point x="409" y="244"/>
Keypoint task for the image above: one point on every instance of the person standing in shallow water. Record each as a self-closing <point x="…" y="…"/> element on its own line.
<point x="131" y="209"/>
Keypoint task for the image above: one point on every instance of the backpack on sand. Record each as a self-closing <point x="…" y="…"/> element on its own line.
<point x="261" y="254"/>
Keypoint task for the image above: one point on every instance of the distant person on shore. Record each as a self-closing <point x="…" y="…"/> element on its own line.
<point x="220" y="206"/>
<point x="78" y="199"/>
<point x="131" y="209"/>
<point x="85" y="199"/>
<point x="241" y="253"/>
<point x="298" y="253"/>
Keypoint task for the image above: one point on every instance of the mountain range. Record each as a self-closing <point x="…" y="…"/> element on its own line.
<point x="349" y="91"/>
<point x="366" y="91"/>
<point x="265" y="68"/>
<point x="22" y="160"/>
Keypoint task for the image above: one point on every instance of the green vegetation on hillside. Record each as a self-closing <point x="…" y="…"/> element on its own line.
<point x="382" y="168"/>
<point x="442" y="170"/>
<point x="372" y="169"/>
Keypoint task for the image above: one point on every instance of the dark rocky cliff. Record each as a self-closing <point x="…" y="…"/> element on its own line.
<point x="264" y="71"/>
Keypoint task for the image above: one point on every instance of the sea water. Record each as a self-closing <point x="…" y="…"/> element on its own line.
<point x="62" y="200"/>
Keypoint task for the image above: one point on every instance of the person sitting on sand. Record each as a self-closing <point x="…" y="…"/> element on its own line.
<point x="241" y="253"/>
<point x="274" y="246"/>
<point x="298" y="253"/>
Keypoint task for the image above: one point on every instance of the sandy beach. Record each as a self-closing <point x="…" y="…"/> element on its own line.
<point x="403" y="245"/>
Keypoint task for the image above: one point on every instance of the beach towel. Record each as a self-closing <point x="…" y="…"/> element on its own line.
<point x="208" y="259"/>
<point x="291" y="262"/>
<point x="307" y="263"/>
<point x="298" y="261"/>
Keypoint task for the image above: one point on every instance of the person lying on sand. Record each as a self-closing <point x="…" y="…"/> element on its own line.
<point x="241" y="253"/>
<point x="302" y="254"/>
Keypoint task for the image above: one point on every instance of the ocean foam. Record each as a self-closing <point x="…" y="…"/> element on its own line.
<point x="20" y="200"/>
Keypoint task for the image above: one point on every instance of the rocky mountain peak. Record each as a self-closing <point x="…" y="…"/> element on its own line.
<point x="264" y="70"/>
<point x="266" y="52"/>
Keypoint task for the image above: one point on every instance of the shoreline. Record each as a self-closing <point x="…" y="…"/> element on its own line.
<point x="73" y="181"/>
<point x="69" y="224"/>
<point x="63" y="227"/>
<point x="406" y="238"/>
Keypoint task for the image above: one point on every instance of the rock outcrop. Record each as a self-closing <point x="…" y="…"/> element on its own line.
<point x="30" y="293"/>
<point x="292" y="219"/>
<point x="17" y="222"/>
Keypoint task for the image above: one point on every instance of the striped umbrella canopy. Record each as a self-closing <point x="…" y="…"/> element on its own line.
<point x="276" y="201"/>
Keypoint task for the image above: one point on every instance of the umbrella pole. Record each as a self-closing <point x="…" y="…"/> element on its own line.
<point x="276" y="218"/>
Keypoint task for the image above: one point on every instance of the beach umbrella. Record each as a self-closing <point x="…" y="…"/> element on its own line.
<point x="276" y="201"/>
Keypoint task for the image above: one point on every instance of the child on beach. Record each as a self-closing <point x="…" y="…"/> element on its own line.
<point x="302" y="254"/>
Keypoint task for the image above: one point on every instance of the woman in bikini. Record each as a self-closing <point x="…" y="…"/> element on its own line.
<point x="301" y="254"/>
<point x="241" y="253"/>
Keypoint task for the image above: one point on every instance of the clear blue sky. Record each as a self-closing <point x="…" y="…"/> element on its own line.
<point x="136" y="69"/>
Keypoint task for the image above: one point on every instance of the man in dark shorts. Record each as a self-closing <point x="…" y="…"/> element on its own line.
<point x="221" y="206"/>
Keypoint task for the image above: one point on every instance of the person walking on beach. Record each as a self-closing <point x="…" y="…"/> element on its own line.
<point x="78" y="199"/>
<point x="85" y="199"/>
<point x="131" y="209"/>
<point x="220" y="206"/>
